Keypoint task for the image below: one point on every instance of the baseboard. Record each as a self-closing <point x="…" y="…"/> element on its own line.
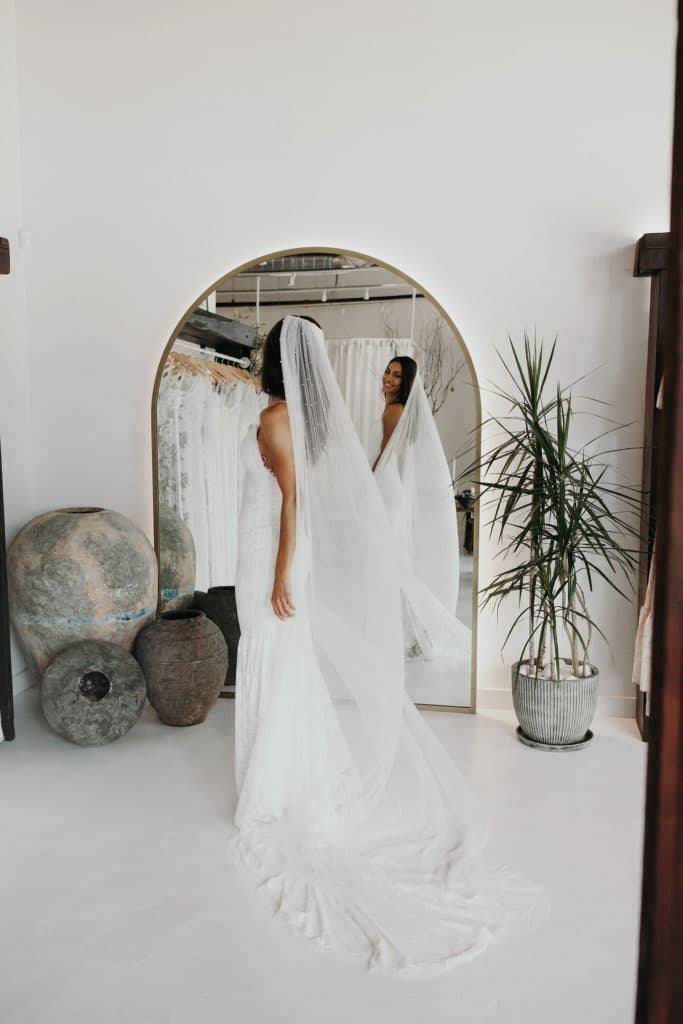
<point x="617" y="706"/>
<point x="494" y="699"/>
<point x="608" y="706"/>
<point x="22" y="680"/>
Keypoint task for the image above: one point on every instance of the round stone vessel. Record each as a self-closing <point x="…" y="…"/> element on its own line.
<point x="79" y="574"/>
<point x="184" y="657"/>
<point x="92" y="693"/>
<point x="177" y="561"/>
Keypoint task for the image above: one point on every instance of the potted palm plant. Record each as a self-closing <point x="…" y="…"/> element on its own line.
<point x="563" y="521"/>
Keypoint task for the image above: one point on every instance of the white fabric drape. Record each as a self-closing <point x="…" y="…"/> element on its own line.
<point x="642" y="663"/>
<point x="414" y="480"/>
<point x="201" y="424"/>
<point x="358" y="365"/>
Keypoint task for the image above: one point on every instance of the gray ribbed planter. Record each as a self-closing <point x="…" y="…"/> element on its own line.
<point x="553" y="713"/>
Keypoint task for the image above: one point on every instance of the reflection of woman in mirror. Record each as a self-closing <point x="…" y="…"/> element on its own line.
<point x="415" y="483"/>
<point x="397" y="380"/>
<point x="353" y="818"/>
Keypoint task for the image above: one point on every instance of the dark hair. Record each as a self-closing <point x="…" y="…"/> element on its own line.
<point x="408" y="373"/>
<point x="271" y="368"/>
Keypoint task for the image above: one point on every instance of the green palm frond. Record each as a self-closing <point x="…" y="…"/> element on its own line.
<point x="557" y="511"/>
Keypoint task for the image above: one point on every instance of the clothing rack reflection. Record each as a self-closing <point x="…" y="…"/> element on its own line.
<point x="203" y="363"/>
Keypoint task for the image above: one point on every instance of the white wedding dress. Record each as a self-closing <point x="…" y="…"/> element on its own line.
<point x="351" y="816"/>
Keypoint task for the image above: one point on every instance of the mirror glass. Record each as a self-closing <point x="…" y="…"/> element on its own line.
<point x="378" y="328"/>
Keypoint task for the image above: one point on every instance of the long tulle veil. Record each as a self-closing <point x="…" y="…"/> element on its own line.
<point x="431" y="529"/>
<point x="352" y="592"/>
<point x="377" y="861"/>
<point x="415" y="482"/>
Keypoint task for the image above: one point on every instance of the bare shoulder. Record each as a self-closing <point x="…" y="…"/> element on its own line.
<point x="274" y="416"/>
<point x="274" y="413"/>
<point x="392" y="413"/>
<point x="274" y="421"/>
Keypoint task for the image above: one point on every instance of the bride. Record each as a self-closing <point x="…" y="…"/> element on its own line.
<point x="351" y="815"/>
<point x="415" y="483"/>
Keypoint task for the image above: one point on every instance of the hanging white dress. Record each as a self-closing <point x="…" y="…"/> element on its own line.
<point x="201" y="424"/>
<point x="351" y="816"/>
<point x="415" y="483"/>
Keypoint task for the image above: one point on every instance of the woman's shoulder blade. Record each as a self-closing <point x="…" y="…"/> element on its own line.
<point x="393" y="411"/>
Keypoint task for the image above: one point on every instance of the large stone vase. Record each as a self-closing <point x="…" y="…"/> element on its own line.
<point x="79" y="574"/>
<point x="184" y="658"/>
<point x="177" y="561"/>
<point x="219" y="604"/>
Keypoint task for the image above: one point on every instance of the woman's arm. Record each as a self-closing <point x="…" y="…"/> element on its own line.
<point x="390" y="418"/>
<point x="275" y="440"/>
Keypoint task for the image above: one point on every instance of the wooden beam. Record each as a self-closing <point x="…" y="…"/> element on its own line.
<point x="652" y="253"/>
<point x="660" y="975"/>
<point x="215" y="331"/>
<point x="6" y="696"/>
<point x="4" y="256"/>
<point x="317" y="301"/>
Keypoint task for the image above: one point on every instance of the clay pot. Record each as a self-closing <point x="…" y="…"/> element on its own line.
<point x="184" y="658"/>
<point x="177" y="561"/>
<point x="92" y="693"/>
<point x="79" y="574"/>
<point x="219" y="605"/>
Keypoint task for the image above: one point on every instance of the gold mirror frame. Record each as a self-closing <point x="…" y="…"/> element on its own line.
<point x="334" y="251"/>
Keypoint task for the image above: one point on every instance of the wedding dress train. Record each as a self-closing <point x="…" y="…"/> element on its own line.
<point x="351" y="816"/>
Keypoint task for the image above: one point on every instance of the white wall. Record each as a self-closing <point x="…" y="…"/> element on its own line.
<point x="15" y="414"/>
<point x="505" y="155"/>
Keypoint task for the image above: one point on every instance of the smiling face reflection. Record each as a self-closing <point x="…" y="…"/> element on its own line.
<point x="391" y="380"/>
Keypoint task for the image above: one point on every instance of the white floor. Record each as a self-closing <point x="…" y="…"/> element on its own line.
<point x="118" y="903"/>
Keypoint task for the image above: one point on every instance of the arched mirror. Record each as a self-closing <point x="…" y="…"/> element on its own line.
<point x="390" y="344"/>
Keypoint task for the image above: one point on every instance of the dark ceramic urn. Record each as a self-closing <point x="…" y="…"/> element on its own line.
<point x="219" y="604"/>
<point x="184" y="658"/>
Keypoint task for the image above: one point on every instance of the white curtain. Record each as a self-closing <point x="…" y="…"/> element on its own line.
<point x="358" y="365"/>
<point x="201" y="425"/>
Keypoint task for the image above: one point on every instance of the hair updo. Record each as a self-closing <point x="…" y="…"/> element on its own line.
<point x="271" y="369"/>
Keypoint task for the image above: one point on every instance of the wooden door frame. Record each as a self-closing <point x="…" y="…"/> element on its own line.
<point x="6" y="696"/>
<point x="652" y="260"/>
<point x="660" y="975"/>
